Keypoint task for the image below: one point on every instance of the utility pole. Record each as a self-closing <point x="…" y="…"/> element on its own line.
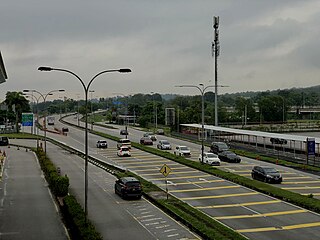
<point x="215" y="54"/>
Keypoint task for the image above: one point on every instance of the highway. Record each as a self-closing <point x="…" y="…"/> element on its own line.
<point x="113" y="217"/>
<point x="253" y="214"/>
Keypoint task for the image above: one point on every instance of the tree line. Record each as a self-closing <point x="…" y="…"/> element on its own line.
<point x="236" y="108"/>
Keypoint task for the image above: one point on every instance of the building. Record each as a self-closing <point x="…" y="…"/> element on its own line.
<point x="3" y="74"/>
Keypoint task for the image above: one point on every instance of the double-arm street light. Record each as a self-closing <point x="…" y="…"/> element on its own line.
<point x="92" y="115"/>
<point x="37" y="101"/>
<point x="86" y="91"/>
<point x="44" y="97"/>
<point x="202" y="90"/>
<point x="155" y="112"/>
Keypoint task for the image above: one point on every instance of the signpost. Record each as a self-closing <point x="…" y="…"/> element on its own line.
<point x="27" y="120"/>
<point x="311" y="148"/>
<point x="165" y="170"/>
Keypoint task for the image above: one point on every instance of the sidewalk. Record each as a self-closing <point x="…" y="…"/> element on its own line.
<point x="27" y="210"/>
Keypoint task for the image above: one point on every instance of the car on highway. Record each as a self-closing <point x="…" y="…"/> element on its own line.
<point x="160" y="131"/>
<point x="278" y="141"/>
<point x="228" y="156"/>
<point x="146" y="141"/>
<point x="4" y="141"/>
<point x="151" y="135"/>
<point x="209" y="158"/>
<point x="123" y="142"/>
<point x="124" y="151"/>
<point x="164" y="145"/>
<point x="182" y="151"/>
<point x="266" y="174"/>
<point x="218" y="147"/>
<point x="102" y="144"/>
<point x="128" y="187"/>
<point x="124" y="132"/>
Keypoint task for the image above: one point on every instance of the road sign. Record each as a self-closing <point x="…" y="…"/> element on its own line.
<point x="165" y="170"/>
<point x="311" y="146"/>
<point x="27" y="119"/>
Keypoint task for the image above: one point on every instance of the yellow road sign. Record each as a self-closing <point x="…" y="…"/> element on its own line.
<point x="165" y="170"/>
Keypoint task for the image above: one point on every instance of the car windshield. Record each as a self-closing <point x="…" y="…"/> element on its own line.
<point x="124" y="149"/>
<point x="133" y="184"/>
<point x="125" y="141"/>
<point x="103" y="141"/>
<point x="270" y="170"/>
<point x="184" y="148"/>
<point x="222" y="146"/>
<point x="211" y="155"/>
<point x="165" y="142"/>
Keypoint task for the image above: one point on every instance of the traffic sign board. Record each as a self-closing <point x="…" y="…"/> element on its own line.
<point x="165" y="170"/>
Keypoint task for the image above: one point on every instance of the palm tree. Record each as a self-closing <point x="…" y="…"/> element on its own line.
<point x="17" y="104"/>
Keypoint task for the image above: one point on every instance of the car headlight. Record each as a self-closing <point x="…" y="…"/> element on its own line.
<point x="268" y="176"/>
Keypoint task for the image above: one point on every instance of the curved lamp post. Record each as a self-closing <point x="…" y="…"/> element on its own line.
<point x="44" y="97"/>
<point x="37" y="101"/>
<point x="86" y="91"/>
<point x="202" y="90"/>
<point x="125" y="120"/>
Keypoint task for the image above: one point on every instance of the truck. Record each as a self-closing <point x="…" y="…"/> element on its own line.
<point x="50" y="120"/>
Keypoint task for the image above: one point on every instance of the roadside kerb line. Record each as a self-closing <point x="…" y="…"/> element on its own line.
<point x="220" y="196"/>
<point x="239" y="204"/>
<point x="300" y="188"/>
<point x="203" y="189"/>
<point x="261" y="215"/>
<point x="289" y="227"/>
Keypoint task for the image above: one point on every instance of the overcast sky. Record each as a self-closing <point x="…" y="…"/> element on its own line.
<point x="264" y="45"/>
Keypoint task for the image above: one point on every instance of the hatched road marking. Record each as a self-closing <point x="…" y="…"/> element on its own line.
<point x="261" y="215"/>
<point x="289" y="227"/>
<point x="203" y="189"/>
<point x="221" y="196"/>
<point x="239" y="204"/>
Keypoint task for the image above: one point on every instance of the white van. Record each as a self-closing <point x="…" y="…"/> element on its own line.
<point x="124" y="142"/>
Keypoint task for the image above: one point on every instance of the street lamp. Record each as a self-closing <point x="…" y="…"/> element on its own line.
<point x="126" y="113"/>
<point x="86" y="90"/>
<point x="92" y="119"/>
<point x="202" y="90"/>
<point x="154" y="112"/>
<point x="44" y="97"/>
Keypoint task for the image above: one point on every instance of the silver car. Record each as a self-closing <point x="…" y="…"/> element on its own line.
<point x="164" y="145"/>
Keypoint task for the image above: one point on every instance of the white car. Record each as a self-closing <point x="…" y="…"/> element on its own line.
<point x="102" y="144"/>
<point x="182" y="151"/>
<point x="209" y="158"/>
<point x="124" y="151"/>
<point x="164" y="144"/>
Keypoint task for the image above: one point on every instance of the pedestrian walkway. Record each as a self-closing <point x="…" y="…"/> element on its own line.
<point x="27" y="210"/>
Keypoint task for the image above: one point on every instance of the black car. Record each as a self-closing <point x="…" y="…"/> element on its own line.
<point x="124" y="132"/>
<point x="4" y="141"/>
<point x="218" y="147"/>
<point x="228" y="156"/>
<point x="266" y="174"/>
<point x="128" y="187"/>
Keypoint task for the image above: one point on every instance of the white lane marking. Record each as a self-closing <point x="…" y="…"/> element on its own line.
<point x="171" y="183"/>
<point x="151" y="219"/>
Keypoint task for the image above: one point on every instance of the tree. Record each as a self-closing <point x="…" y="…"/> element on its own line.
<point x="17" y="104"/>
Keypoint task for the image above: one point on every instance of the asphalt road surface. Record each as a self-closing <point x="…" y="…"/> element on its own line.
<point x="27" y="210"/>
<point x="113" y="217"/>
